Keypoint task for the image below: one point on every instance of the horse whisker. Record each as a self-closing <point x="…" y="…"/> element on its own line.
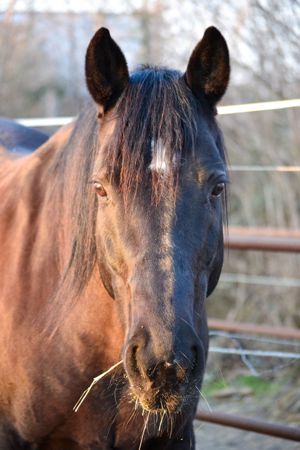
<point x="130" y="417"/>
<point x="184" y="355"/>
<point x="205" y="400"/>
<point x="111" y="424"/>
<point x="144" y="430"/>
<point x="161" y="421"/>
<point x="171" y="425"/>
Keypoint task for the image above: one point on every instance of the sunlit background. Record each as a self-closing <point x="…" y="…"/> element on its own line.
<point x="42" y="48"/>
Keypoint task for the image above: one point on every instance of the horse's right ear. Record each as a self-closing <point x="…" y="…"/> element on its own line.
<point x="106" y="70"/>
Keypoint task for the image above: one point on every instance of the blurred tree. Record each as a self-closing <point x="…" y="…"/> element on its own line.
<point x="41" y="73"/>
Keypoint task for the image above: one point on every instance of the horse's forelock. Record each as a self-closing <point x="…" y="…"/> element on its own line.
<point x="155" y="112"/>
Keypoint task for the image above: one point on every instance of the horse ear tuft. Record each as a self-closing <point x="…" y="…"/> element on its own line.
<point x="106" y="69"/>
<point x="209" y="68"/>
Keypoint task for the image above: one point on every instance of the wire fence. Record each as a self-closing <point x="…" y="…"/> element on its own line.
<point x="259" y="280"/>
<point x="239" y="339"/>
<point x="255" y="352"/>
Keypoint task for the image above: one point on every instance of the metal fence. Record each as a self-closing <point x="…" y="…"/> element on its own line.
<point x="238" y="238"/>
<point x="274" y="240"/>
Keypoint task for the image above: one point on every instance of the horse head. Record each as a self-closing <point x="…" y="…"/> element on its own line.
<point x="160" y="177"/>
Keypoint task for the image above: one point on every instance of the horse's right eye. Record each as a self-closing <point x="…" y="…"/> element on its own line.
<point x="100" y="189"/>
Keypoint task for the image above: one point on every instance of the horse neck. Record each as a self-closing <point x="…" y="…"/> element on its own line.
<point x="36" y="237"/>
<point x="54" y="206"/>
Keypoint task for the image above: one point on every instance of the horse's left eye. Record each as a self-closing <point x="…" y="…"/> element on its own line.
<point x="100" y="189"/>
<point x="218" y="189"/>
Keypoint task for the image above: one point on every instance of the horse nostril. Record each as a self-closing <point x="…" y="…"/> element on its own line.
<point x="198" y="361"/>
<point x="195" y="352"/>
<point x="151" y="372"/>
<point x="133" y="360"/>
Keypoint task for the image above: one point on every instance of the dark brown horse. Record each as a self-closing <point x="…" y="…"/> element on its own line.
<point x="111" y="240"/>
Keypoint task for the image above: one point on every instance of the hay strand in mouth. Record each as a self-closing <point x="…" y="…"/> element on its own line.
<point x="95" y="380"/>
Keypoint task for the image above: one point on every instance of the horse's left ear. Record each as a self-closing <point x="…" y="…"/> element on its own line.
<point x="209" y="68"/>
<point x="106" y="69"/>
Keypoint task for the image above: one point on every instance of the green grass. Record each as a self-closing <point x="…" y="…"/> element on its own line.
<point x="258" y="385"/>
<point x="209" y="388"/>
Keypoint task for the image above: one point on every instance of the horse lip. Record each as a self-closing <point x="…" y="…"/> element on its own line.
<point x="159" y="402"/>
<point x="159" y="399"/>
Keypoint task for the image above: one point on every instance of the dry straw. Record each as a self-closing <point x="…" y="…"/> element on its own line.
<point x="95" y="380"/>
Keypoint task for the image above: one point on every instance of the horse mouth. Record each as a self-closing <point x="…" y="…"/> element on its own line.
<point x="159" y="401"/>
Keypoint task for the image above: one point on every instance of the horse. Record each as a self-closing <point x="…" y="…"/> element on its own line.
<point x="111" y="237"/>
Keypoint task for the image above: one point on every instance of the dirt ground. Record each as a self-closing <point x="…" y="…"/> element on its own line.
<point x="283" y="407"/>
<point x="212" y="437"/>
<point x="215" y="437"/>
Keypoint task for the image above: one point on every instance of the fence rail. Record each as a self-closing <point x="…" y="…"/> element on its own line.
<point x="222" y="110"/>
<point x="259" y="280"/>
<point x="264" y="239"/>
<point x="251" y="168"/>
<point x="259" y="106"/>
<point x="265" y="330"/>
<point x="249" y="424"/>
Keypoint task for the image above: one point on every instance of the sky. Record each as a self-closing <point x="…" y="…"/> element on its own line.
<point x="70" y="5"/>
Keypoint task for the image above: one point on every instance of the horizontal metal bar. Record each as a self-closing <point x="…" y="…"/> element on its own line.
<point x="265" y="330"/>
<point x="249" y="424"/>
<point x="222" y="110"/>
<point x="259" y="353"/>
<point x="260" y="339"/>
<point x="262" y="243"/>
<point x="259" y="106"/>
<point x="260" y="280"/>
<point x="264" y="231"/>
<point x="45" y="121"/>
<point x="252" y="168"/>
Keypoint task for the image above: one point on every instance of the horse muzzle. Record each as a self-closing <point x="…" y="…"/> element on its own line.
<point x="164" y="377"/>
